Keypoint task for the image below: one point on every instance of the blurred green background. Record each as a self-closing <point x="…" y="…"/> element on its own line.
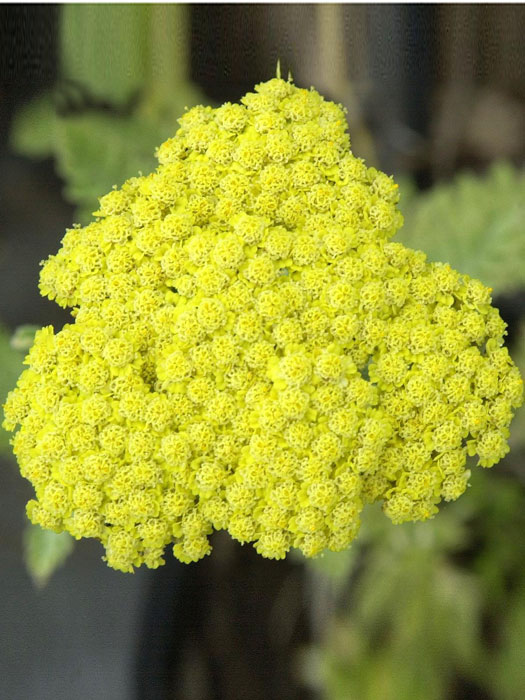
<point x="436" y="95"/>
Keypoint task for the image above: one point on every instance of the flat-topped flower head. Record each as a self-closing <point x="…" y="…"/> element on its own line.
<point x="251" y="352"/>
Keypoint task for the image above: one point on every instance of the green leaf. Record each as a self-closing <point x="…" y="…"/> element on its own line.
<point x="44" y="552"/>
<point x="475" y="223"/>
<point x="23" y="337"/>
<point x="96" y="151"/>
<point x="408" y="602"/>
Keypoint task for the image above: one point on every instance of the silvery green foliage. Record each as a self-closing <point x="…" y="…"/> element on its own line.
<point x="475" y="223"/>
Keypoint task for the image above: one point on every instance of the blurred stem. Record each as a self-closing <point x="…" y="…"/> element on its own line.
<point x="332" y="53"/>
<point x="169" y="46"/>
<point x="104" y="48"/>
<point x="332" y="74"/>
<point x="168" y="59"/>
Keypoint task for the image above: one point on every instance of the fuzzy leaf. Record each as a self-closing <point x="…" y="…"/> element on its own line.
<point x="408" y="602"/>
<point x="96" y="150"/>
<point x="474" y="223"/>
<point x="44" y="552"/>
<point x="23" y="337"/>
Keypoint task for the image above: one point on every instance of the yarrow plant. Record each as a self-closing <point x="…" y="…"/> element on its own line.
<point x="251" y="352"/>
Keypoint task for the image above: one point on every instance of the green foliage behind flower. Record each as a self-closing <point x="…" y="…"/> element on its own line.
<point x="104" y="120"/>
<point x="434" y="606"/>
<point x="44" y="552"/>
<point x="475" y="223"/>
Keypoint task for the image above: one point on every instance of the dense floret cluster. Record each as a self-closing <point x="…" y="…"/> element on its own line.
<point x="251" y="352"/>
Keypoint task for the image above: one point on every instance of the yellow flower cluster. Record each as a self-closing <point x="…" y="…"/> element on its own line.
<point x="251" y="352"/>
